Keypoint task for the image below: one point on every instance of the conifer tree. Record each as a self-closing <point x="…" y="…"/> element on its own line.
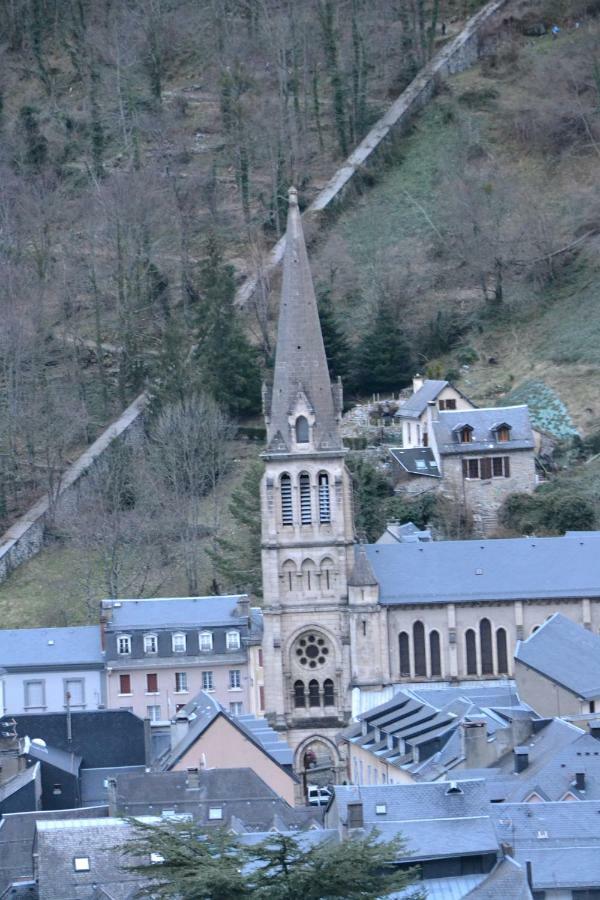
<point x="337" y="348"/>
<point x="228" y="362"/>
<point x="383" y="354"/>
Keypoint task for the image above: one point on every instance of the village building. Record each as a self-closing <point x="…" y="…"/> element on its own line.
<point x="413" y="413"/>
<point x="48" y="669"/>
<point x="162" y="652"/>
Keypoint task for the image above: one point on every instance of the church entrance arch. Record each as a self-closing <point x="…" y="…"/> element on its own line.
<point x="318" y="762"/>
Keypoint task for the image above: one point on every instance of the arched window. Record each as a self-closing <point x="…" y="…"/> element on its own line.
<point x="403" y="642"/>
<point x="324" y="504"/>
<point x="485" y="640"/>
<point x="287" y="511"/>
<point x="328" y="693"/>
<point x="288" y="570"/>
<point x="435" y="656"/>
<point x="326" y="574"/>
<point x="313" y="693"/>
<point x="501" y="651"/>
<point x="305" y="504"/>
<point x="419" y="649"/>
<point x="302" y="434"/>
<point x="299" y="698"/>
<point x="471" y="648"/>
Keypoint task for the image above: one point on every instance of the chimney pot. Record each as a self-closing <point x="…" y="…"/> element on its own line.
<point x="521" y="755"/>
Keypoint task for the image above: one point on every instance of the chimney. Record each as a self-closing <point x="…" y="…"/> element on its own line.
<point x="111" y="790"/>
<point x="475" y="745"/>
<point x="148" y="749"/>
<point x="193" y="779"/>
<point x="521" y="755"/>
<point x="580" y="781"/>
<point x="243" y="606"/>
<point x="179" y="728"/>
<point x="104" y="620"/>
<point x="355" y="817"/>
<point x="417" y="383"/>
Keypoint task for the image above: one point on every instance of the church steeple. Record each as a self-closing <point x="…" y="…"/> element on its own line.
<point x="302" y="409"/>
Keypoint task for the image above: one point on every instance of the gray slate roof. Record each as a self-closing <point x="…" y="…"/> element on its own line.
<point x="362" y="574"/>
<point x="436" y="823"/>
<point x="508" y="569"/>
<point x="565" y="653"/>
<point x="54" y="756"/>
<point x="178" y="612"/>
<point x="506" y="881"/>
<point x="416" y="405"/>
<point x="405" y="533"/>
<point x="416" y="461"/>
<point x="562" y="841"/>
<point x="30" y="648"/>
<point x="483" y="422"/>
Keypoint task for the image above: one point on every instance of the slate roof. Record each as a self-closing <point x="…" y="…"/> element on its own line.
<point x="561" y="840"/>
<point x="483" y="422"/>
<point x="416" y="461"/>
<point x="27" y="649"/>
<point x="178" y="612"/>
<point x="486" y="570"/>
<point x="416" y="405"/>
<point x="59" y="842"/>
<point x="435" y="821"/>
<point x="508" y="879"/>
<point x="61" y="759"/>
<point x="565" y="653"/>
<point x="94" y="790"/>
<point x="246" y="802"/>
<point x="18" y="781"/>
<point x="203" y="710"/>
<point x="405" y="533"/>
<point x="362" y="574"/>
<point x="17" y="831"/>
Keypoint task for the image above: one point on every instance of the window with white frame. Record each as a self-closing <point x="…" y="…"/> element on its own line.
<point x="178" y="642"/>
<point x="181" y="685"/>
<point x="123" y="644"/>
<point x="74" y="693"/>
<point x="208" y="682"/>
<point x="81" y="863"/>
<point x="235" y="679"/>
<point x="35" y="695"/>
<point x="150" y="643"/>
<point x="153" y="713"/>
<point x="215" y="812"/>
<point x="236" y="709"/>
<point x="233" y="640"/>
<point x="205" y="640"/>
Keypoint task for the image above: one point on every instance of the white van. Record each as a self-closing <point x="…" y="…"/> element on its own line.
<point x="318" y="796"/>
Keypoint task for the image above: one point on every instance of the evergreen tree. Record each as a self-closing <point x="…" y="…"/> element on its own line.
<point x="337" y="348"/>
<point x="228" y="362"/>
<point x="237" y="559"/>
<point x="371" y="492"/>
<point x="384" y="361"/>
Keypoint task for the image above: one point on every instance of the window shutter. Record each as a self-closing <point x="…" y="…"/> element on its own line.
<point x="465" y="468"/>
<point x="506" y="467"/>
<point x="152" y="683"/>
<point x="486" y="468"/>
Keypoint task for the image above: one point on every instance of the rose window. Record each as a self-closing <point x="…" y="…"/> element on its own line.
<point x="311" y="650"/>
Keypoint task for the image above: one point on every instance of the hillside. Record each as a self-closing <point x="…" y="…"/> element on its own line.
<point x="484" y="235"/>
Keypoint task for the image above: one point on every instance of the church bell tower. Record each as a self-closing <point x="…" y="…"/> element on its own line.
<point x="307" y="524"/>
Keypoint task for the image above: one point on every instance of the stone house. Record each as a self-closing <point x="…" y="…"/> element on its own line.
<point x="42" y="665"/>
<point x="557" y="669"/>
<point x="161" y="652"/>
<point x="413" y="413"/>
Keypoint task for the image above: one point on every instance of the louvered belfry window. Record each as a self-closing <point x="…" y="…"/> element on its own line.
<point x="287" y="512"/>
<point x="305" y="504"/>
<point x="324" y="502"/>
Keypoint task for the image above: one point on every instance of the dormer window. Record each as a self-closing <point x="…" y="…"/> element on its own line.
<point x="233" y="640"/>
<point x="502" y="432"/>
<point x="123" y="645"/>
<point x="302" y="430"/>
<point x="465" y="434"/>
<point x="206" y="641"/>
<point x="178" y="642"/>
<point x="150" y="643"/>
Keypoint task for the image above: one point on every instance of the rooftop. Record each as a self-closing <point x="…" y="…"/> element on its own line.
<point x="565" y="653"/>
<point x="506" y="569"/>
<point x="416" y="405"/>
<point x="29" y="648"/>
<point x="483" y="423"/>
<point x="168" y="612"/>
<point x="416" y="461"/>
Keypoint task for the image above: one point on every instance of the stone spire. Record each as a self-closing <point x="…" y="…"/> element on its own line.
<point x="301" y="384"/>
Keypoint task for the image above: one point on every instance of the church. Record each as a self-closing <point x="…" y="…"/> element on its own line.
<point x="342" y="618"/>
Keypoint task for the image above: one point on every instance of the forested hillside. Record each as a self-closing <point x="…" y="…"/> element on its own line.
<point x="145" y="153"/>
